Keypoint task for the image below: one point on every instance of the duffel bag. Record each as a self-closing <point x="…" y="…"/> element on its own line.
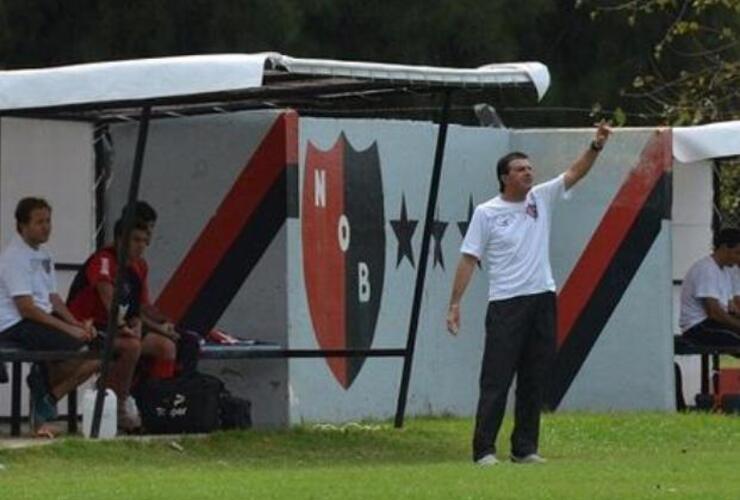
<point x="186" y="404"/>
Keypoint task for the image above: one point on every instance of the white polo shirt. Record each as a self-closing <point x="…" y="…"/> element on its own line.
<point x="705" y="280"/>
<point x="514" y="240"/>
<point x="24" y="271"/>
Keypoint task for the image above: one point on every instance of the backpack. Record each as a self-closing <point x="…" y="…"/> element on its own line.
<point x="192" y="403"/>
<point x="180" y="405"/>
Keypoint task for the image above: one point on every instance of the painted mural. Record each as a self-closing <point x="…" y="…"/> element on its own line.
<point x="324" y="217"/>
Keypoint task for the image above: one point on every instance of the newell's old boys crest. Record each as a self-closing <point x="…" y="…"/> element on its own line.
<point x="343" y="232"/>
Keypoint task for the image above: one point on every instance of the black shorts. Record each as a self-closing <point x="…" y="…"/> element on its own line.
<point x="712" y="333"/>
<point x="38" y="337"/>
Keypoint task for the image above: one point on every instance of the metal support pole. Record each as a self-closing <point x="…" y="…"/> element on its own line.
<point x="15" y="403"/>
<point x="423" y="257"/>
<point x="72" y="411"/>
<point x="102" y="171"/>
<point x="128" y="222"/>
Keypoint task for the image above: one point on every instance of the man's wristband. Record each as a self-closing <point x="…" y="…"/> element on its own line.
<point x="595" y="146"/>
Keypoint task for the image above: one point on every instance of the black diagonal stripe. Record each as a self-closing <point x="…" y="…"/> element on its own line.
<point x="229" y="275"/>
<point x="293" y="195"/>
<point x="609" y="291"/>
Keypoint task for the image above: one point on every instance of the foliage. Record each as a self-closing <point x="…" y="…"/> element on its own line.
<point x="694" y="73"/>
<point x="728" y="208"/>
<point x="585" y="66"/>
<point x="678" y="57"/>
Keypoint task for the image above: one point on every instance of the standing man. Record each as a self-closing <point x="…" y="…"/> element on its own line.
<point x="33" y="314"/>
<point x="511" y="233"/>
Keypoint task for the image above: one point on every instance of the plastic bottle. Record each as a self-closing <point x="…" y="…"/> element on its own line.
<point x="109" y="418"/>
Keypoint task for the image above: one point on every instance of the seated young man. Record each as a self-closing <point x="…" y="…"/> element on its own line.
<point x="163" y="347"/>
<point x="91" y="296"/>
<point x="707" y="295"/>
<point x="33" y="314"/>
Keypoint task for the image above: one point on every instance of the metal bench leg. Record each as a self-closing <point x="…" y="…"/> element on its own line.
<point x="705" y="374"/>
<point x="72" y="411"/>
<point x="715" y="374"/>
<point x="15" y="404"/>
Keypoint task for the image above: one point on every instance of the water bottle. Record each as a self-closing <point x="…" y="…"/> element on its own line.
<point x="109" y="418"/>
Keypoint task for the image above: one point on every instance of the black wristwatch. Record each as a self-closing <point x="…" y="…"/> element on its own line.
<point x="595" y="146"/>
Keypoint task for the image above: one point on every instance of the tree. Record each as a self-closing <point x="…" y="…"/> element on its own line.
<point x="694" y="76"/>
<point x="588" y="61"/>
<point x="694" y="72"/>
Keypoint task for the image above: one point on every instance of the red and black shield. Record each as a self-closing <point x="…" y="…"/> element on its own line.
<point x="343" y="232"/>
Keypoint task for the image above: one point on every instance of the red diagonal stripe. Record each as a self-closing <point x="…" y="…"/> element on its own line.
<point x="259" y="174"/>
<point x="655" y="160"/>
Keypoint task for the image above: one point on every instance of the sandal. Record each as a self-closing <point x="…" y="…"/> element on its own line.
<point x="45" y="431"/>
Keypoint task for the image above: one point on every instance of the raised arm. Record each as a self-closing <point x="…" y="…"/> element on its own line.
<point x="583" y="164"/>
<point x="465" y="269"/>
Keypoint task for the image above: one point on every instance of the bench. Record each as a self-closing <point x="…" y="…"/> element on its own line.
<point x="684" y="347"/>
<point x="16" y="356"/>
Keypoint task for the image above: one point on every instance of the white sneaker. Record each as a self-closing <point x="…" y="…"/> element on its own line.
<point x="129" y="420"/>
<point x="532" y="458"/>
<point x="131" y="407"/>
<point x="487" y="461"/>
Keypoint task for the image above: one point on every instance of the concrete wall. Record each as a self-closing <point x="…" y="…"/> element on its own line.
<point x="692" y="214"/>
<point x="629" y="367"/>
<point x="446" y="368"/>
<point x="191" y="165"/>
<point x="692" y="240"/>
<point x="346" y="182"/>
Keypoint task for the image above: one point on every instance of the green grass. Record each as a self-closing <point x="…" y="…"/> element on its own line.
<point x="591" y="456"/>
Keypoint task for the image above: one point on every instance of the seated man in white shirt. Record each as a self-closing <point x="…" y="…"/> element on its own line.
<point x="33" y="315"/>
<point x="707" y="295"/>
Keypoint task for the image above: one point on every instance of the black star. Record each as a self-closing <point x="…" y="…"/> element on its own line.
<point x="438" y="231"/>
<point x="463" y="224"/>
<point x="404" y="230"/>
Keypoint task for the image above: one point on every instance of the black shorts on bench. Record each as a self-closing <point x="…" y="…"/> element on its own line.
<point x="38" y="337"/>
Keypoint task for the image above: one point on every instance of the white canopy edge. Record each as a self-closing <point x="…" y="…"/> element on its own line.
<point x="130" y="80"/>
<point x="167" y="77"/>
<point x="703" y="142"/>
<point x="534" y="73"/>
